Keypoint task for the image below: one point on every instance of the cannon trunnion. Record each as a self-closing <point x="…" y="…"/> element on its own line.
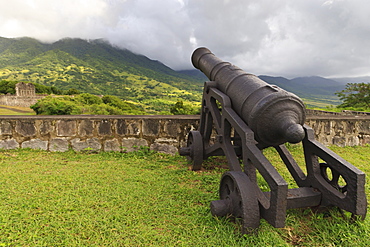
<point x="241" y="115"/>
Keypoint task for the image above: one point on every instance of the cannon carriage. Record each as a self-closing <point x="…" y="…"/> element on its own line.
<point x="241" y="115"/>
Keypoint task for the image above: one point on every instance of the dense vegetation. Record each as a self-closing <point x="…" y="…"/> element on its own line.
<point x="183" y="109"/>
<point x="9" y="87"/>
<point x="98" y="68"/>
<point x="355" y="96"/>
<point x="86" y="103"/>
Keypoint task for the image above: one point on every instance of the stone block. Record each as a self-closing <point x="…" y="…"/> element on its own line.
<point x="353" y="141"/>
<point x="164" y="148"/>
<point x="5" y="128"/>
<point x="133" y="144"/>
<point x="172" y="127"/>
<point x="327" y="127"/>
<point x="46" y="127"/>
<point x="151" y="127"/>
<point x="112" y="145"/>
<point x="339" y="141"/>
<point x="365" y="139"/>
<point x="92" y="145"/>
<point x="86" y="128"/>
<point x="35" y="144"/>
<point x="364" y="128"/>
<point x="350" y="127"/>
<point x="104" y="127"/>
<point x="338" y="127"/>
<point x="58" y="145"/>
<point x="170" y="141"/>
<point x="325" y="140"/>
<point x="66" y="128"/>
<point x="25" y="128"/>
<point x="9" y="144"/>
<point x="128" y="127"/>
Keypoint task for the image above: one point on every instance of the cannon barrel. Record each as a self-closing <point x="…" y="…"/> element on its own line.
<point x="275" y="115"/>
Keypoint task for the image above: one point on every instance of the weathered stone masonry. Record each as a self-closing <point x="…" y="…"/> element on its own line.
<point x="341" y="130"/>
<point x="95" y="133"/>
<point x="161" y="133"/>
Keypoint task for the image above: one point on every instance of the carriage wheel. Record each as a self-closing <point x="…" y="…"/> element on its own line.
<point x="237" y="198"/>
<point x="195" y="143"/>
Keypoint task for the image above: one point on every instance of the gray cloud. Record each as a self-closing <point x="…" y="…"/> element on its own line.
<point x="285" y="37"/>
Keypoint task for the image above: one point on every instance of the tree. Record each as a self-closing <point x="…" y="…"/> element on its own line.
<point x="355" y="95"/>
<point x="180" y="109"/>
<point x="88" y="99"/>
<point x="72" y="91"/>
<point x="7" y="87"/>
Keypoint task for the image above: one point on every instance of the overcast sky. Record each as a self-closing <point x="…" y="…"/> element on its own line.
<point x="272" y="37"/>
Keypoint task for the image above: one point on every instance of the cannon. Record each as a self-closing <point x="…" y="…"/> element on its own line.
<point x="242" y="115"/>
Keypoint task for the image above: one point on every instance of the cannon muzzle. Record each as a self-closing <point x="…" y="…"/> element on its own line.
<point x="275" y="115"/>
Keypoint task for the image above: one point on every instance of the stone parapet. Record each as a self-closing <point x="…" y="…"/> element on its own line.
<point x="161" y="133"/>
<point x="341" y="130"/>
<point x="96" y="133"/>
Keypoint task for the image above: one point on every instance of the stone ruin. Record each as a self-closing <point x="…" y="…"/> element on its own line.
<point x="25" y="89"/>
<point x="25" y="96"/>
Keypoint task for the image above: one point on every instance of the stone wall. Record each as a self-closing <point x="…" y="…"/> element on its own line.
<point x="96" y="133"/>
<point x="161" y="133"/>
<point x="341" y="130"/>
<point x="22" y="101"/>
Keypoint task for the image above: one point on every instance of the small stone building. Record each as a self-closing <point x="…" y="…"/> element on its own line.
<point x="25" y="96"/>
<point x="25" y="89"/>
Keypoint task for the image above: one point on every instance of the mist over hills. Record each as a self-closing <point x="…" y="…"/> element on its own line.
<point x="97" y="67"/>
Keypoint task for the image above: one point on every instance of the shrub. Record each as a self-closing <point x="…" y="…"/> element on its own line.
<point x="56" y="106"/>
<point x="7" y="87"/>
<point x="72" y="91"/>
<point x="104" y="109"/>
<point x="88" y="99"/>
<point x="180" y="109"/>
<point x="84" y="104"/>
<point x="126" y="107"/>
<point x="42" y="89"/>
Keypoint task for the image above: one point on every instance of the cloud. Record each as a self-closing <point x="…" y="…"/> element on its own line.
<point x="288" y="38"/>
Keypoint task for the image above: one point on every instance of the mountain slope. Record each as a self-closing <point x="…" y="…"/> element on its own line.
<point x="99" y="68"/>
<point x="315" y="91"/>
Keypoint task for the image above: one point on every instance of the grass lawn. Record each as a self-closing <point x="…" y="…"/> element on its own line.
<point x="144" y="199"/>
<point x="14" y="110"/>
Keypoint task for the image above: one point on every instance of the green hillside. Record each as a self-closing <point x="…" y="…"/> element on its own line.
<point x="315" y="91"/>
<point x="99" y="68"/>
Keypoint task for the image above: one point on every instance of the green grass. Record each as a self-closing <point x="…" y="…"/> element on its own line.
<point x="321" y="102"/>
<point x="12" y="110"/>
<point x="144" y="199"/>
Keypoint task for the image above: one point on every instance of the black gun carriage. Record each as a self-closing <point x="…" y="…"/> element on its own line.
<point x="241" y="115"/>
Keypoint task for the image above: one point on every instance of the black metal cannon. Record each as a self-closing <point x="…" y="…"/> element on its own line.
<point x="242" y="115"/>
